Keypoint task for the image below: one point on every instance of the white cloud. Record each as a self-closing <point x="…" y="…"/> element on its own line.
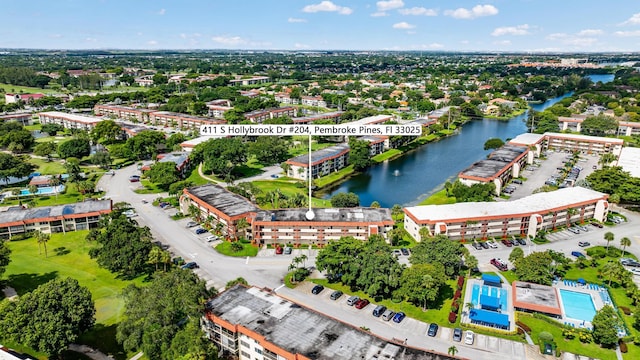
<point x="557" y="36"/>
<point x="90" y="39"/>
<point x="152" y="42"/>
<point x="432" y="46"/>
<point x="296" y="20"/>
<point x="627" y="33"/>
<point x="161" y="11"/>
<point x="633" y="20"/>
<point x="327" y="6"/>
<point x="502" y="42"/>
<point x="511" y="30"/>
<point x="389" y="5"/>
<point x="301" y="46"/>
<point x="572" y="40"/>
<point x="590" y="32"/>
<point x="379" y="14"/>
<point x="418" y="11"/>
<point x="229" y="40"/>
<point x="403" y="25"/>
<point x="475" y="12"/>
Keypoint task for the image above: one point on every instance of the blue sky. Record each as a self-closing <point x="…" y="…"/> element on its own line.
<point x="453" y="25"/>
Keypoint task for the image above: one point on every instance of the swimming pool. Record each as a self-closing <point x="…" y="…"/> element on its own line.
<point x="577" y="305"/>
<point x="44" y="190"/>
<point x="478" y="290"/>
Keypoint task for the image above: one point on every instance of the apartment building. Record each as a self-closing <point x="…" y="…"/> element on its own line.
<point x="248" y="323"/>
<point x="286" y="99"/>
<point x="25" y="98"/>
<point x="254" y="80"/>
<point x="523" y="217"/>
<point x="315" y="101"/>
<point x="217" y="108"/>
<point x="123" y="112"/>
<point x="628" y="128"/>
<point x="23" y="118"/>
<point x="69" y="121"/>
<point x="323" y="162"/>
<point x="52" y="219"/>
<point x="572" y="142"/>
<point x="260" y="116"/>
<point x="181" y="121"/>
<point x="501" y="166"/>
<point x="334" y="116"/>
<point x="376" y="144"/>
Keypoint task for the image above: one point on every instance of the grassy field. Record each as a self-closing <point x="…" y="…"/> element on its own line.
<point x="288" y="188"/>
<point x="68" y="257"/>
<point x="8" y="88"/>
<point x="389" y="154"/>
<point x="334" y="177"/>
<point x="303" y="148"/>
<point x="48" y="167"/>
<point x="224" y="248"/>
<point x="439" y="198"/>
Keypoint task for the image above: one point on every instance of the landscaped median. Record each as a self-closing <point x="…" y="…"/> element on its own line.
<point x="241" y="248"/>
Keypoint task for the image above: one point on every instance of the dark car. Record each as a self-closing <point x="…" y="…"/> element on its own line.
<point x="507" y="243"/>
<point x="200" y="231"/>
<point x="134" y="179"/>
<point x="584" y="243"/>
<point x="577" y="254"/>
<point x="522" y="241"/>
<point x="317" y="289"/>
<point x="476" y="246"/>
<point x="360" y="304"/>
<point x="484" y="245"/>
<point x="433" y="329"/>
<point x="335" y="295"/>
<point x="405" y="251"/>
<point x="190" y="265"/>
<point x="598" y="225"/>
<point x="457" y="334"/>
<point x="397" y="318"/>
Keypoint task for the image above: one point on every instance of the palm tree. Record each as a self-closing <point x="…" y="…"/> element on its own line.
<point x="570" y="213"/>
<point x="396" y="210"/>
<point x="33" y="189"/>
<point x="624" y="242"/>
<point x="286" y="168"/>
<point x="608" y="236"/>
<point x="42" y="240"/>
<point x="55" y="182"/>
<point x="241" y="226"/>
<point x="155" y="256"/>
<point x="194" y="212"/>
<point x="452" y="350"/>
<point x="165" y="259"/>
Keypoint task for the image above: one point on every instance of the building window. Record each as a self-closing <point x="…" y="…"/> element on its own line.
<point x="245" y="344"/>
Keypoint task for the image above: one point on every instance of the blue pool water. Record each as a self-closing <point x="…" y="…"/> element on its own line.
<point x="577" y="305"/>
<point x="478" y="290"/>
<point x="43" y="190"/>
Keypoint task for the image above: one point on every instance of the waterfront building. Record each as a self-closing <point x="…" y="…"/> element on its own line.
<point x="248" y="323"/>
<point x="52" y="219"/>
<point x="323" y="162"/>
<point x="571" y="142"/>
<point x="334" y="116"/>
<point x="523" y="217"/>
<point x="501" y="166"/>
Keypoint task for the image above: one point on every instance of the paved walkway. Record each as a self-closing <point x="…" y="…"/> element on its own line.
<point x="10" y="293"/>
<point x="90" y="352"/>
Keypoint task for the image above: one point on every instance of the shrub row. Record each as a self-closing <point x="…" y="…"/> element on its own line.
<point x="460" y="281"/>
<point x="524" y="327"/>
<point x="453" y="317"/>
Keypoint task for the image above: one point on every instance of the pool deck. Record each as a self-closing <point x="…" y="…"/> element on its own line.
<point x="467" y="299"/>
<point x="590" y="289"/>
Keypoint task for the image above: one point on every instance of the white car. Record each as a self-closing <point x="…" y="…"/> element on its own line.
<point x="635" y="271"/>
<point x="469" y="336"/>
<point x="211" y="238"/>
<point x="492" y="244"/>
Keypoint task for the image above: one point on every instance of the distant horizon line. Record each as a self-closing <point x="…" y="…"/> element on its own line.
<point x="514" y="52"/>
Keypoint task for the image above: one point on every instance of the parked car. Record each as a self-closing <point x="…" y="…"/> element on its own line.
<point x="388" y="315"/>
<point x="507" y="243"/>
<point x="583" y="228"/>
<point x="287" y="250"/>
<point x="190" y="265"/>
<point x="317" y="289"/>
<point x="476" y="246"/>
<point x="279" y="250"/>
<point x="211" y="238"/>
<point x="492" y="244"/>
<point x="522" y="241"/>
<point x="635" y="271"/>
<point x="577" y="254"/>
<point x="379" y="310"/>
<point x="352" y="300"/>
<point x="584" y="243"/>
<point x="598" y="225"/>
<point x="517" y="181"/>
<point x="397" y="252"/>
<point x="469" y="336"/>
<point x="484" y="245"/>
<point x="200" y="231"/>
<point x="398" y="317"/>
<point x="405" y="251"/>
<point x="191" y="224"/>
<point x="574" y="230"/>
<point x="457" y="334"/>
<point x="361" y="304"/>
<point x="433" y="329"/>
<point x="335" y="295"/>
<point x="499" y="264"/>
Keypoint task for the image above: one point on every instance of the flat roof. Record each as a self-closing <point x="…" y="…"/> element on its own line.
<point x="299" y="330"/>
<point x="199" y="140"/>
<point x="72" y="117"/>
<point x="318" y="116"/>
<point x="120" y="107"/>
<point x="327" y="215"/>
<point x="535" y="203"/>
<point x="220" y="198"/>
<point x="16" y="214"/>
<point x="536" y="297"/>
<point x="267" y="111"/>
<point x="497" y="161"/>
<point x="527" y="139"/>
<point x="321" y="155"/>
<point x="376" y="119"/>
<point x="423" y="121"/>
<point x="177" y="158"/>
<point x="630" y="160"/>
<point x="489" y="317"/>
<point x="585" y="138"/>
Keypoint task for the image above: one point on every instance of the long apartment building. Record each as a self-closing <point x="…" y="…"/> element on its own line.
<point x="254" y="80"/>
<point x="572" y="142"/>
<point x="69" y="121"/>
<point x="260" y="116"/>
<point x="182" y="121"/>
<point x="52" y="219"/>
<point x="123" y="112"/>
<point x="333" y="116"/>
<point x="323" y="162"/>
<point x="250" y="323"/>
<point x="525" y="217"/>
<point x="23" y="118"/>
<point x="501" y="166"/>
<point x="282" y="226"/>
<point x="574" y="123"/>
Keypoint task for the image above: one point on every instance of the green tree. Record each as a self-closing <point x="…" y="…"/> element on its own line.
<point x="375" y="204"/>
<point x="102" y="159"/>
<point x="359" y="154"/>
<point x="76" y="148"/>
<point x="241" y="226"/>
<point x="438" y="250"/>
<point x="159" y="79"/>
<point x="624" y="242"/>
<point x="153" y="314"/>
<point x="13" y="166"/>
<point x="345" y="200"/>
<point x="608" y="237"/>
<point x="51" y="129"/>
<point x="379" y="272"/>
<point x="536" y="268"/>
<point x="395" y="236"/>
<point x="145" y="144"/>
<point x="163" y="174"/>
<point x="42" y="239"/>
<point x="269" y="150"/>
<point x="123" y="247"/>
<point x="493" y="143"/>
<point x="45" y="149"/>
<point x="239" y="280"/>
<point x="396" y="211"/>
<point x="177" y="187"/>
<point x="5" y="256"/>
<point x="220" y="156"/>
<point x="452" y="350"/>
<point x="605" y="326"/>
<point x="421" y="283"/>
<point x="155" y="256"/>
<point x="189" y="343"/>
<point x="106" y="132"/>
<point x="50" y="317"/>
<point x="599" y="125"/>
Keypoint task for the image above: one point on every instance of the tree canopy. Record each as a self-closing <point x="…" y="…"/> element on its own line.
<point x="14" y="166"/>
<point x="5" y="256"/>
<point x="220" y="156"/>
<point x="599" y="125"/>
<point x="421" y="283"/>
<point x="615" y="181"/>
<point x="161" y="318"/>
<point x="473" y="193"/>
<point x="106" y="132"/>
<point x="438" y="250"/>
<point x="359" y="154"/>
<point x="605" y="326"/>
<point x="493" y="143"/>
<point x="77" y="148"/>
<point x="344" y="200"/>
<point x="146" y="144"/>
<point x="269" y="150"/>
<point x="50" y="317"/>
<point x="540" y="267"/>
<point x="163" y="173"/>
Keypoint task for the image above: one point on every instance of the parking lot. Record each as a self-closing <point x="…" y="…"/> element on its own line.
<point x="537" y="174"/>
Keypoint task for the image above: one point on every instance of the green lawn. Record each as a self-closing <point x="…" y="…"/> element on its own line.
<point x="288" y="188"/>
<point x="303" y="148"/>
<point x="8" y="88"/>
<point x="70" y="196"/>
<point x="48" y="167"/>
<point x="439" y="198"/>
<point x="224" y="248"/>
<point x="196" y="179"/>
<point x="334" y="177"/>
<point x="389" y="154"/>
<point x="68" y="257"/>
<point x="149" y="188"/>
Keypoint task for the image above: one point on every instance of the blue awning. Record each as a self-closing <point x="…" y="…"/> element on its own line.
<point x="489" y="302"/>
<point x="489" y="318"/>
<point x="491" y="279"/>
